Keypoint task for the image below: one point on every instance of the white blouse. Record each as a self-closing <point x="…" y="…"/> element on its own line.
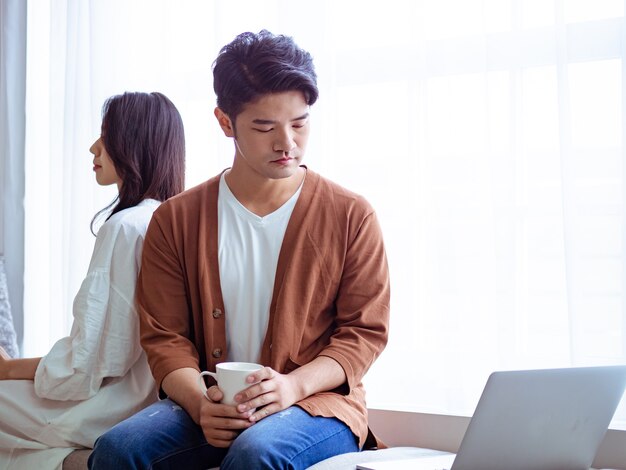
<point x="104" y="340"/>
<point x="98" y="375"/>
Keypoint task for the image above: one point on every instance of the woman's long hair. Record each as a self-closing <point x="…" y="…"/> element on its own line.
<point x="144" y="136"/>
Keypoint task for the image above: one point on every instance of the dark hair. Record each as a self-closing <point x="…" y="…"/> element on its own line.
<point x="253" y="65"/>
<point x="144" y="136"/>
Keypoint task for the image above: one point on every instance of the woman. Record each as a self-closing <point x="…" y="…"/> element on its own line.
<point x="98" y="375"/>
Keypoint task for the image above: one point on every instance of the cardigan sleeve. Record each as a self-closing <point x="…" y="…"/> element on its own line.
<point x="162" y="301"/>
<point x="362" y="303"/>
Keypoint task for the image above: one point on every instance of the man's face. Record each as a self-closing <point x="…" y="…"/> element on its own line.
<point x="271" y="135"/>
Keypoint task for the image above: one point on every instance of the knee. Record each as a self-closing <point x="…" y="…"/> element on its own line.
<point x="114" y="449"/>
<point x="253" y="450"/>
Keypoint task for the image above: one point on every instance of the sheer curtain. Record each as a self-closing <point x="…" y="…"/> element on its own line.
<point x="12" y="95"/>
<point x="488" y="134"/>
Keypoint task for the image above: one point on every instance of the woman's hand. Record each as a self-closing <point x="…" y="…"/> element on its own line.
<point x="17" y="368"/>
<point x="4" y="364"/>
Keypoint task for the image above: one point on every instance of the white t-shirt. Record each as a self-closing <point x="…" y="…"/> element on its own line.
<point x="248" y="249"/>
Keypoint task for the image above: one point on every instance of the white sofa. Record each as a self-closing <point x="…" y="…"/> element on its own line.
<point x="78" y="459"/>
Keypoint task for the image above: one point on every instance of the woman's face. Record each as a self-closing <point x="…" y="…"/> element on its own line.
<point x="103" y="166"/>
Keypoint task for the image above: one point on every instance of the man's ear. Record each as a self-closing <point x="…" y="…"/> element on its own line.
<point x="225" y="122"/>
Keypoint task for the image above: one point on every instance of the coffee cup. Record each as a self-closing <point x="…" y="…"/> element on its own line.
<point x="231" y="379"/>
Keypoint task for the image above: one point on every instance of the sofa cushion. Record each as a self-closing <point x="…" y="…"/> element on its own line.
<point x="77" y="460"/>
<point x="350" y="460"/>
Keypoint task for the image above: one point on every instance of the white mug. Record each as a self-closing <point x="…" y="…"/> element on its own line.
<point x="231" y="379"/>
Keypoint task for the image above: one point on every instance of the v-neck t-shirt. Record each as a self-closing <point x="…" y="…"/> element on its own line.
<point x="248" y="250"/>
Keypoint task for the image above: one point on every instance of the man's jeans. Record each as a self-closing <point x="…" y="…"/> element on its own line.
<point x="163" y="436"/>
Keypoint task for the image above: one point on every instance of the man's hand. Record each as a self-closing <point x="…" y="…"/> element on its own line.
<point x="276" y="392"/>
<point x="221" y="424"/>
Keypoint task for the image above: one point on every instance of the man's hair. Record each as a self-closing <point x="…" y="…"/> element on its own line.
<point x="253" y="65"/>
<point x="144" y="136"/>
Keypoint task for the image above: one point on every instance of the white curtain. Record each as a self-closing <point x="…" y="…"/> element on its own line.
<point x="12" y="96"/>
<point x="488" y="134"/>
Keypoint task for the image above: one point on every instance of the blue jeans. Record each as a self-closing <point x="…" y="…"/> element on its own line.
<point x="163" y="436"/>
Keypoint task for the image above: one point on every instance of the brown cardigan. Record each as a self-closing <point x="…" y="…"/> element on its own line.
<point x="331" y="292"/>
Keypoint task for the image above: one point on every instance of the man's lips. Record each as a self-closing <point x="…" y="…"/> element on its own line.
<point x="283" y="160"/>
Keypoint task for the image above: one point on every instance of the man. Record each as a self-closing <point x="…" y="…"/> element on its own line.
<point x="267" y="262"/>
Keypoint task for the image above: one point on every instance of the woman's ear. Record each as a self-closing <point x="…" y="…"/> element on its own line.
<point x="224" y="122"/>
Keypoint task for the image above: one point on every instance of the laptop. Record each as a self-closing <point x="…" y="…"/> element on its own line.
<point x="548" y="419"/>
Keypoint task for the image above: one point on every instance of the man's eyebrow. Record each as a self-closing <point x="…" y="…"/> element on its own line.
<point x="265" y="122"/>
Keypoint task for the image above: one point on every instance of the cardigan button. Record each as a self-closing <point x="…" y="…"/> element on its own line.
<point x="217" y="353"/>
<point x="217" y="313"/>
